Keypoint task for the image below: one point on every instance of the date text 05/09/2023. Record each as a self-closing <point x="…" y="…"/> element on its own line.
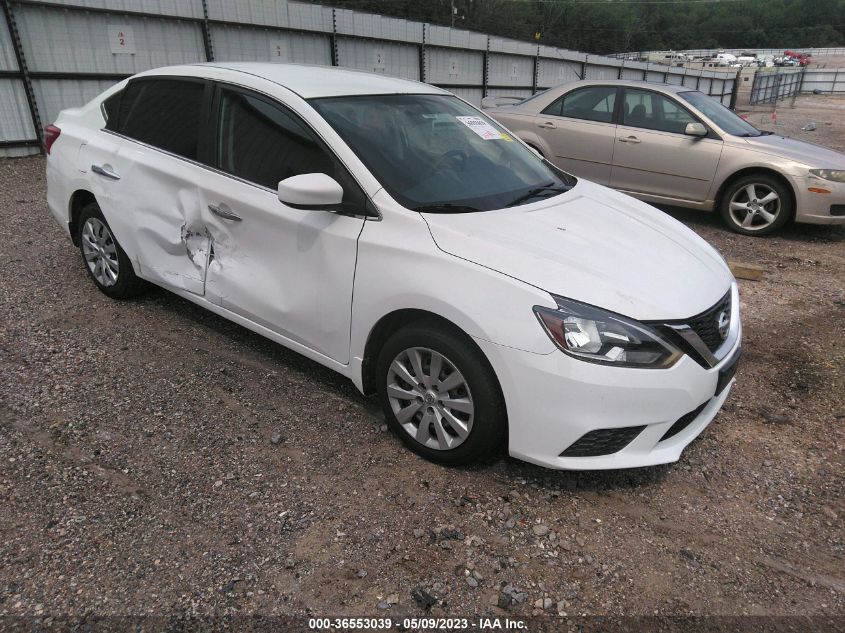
<point x="418" y="624"/>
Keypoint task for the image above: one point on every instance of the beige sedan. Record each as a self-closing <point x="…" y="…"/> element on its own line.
<point x="671" y="145"/>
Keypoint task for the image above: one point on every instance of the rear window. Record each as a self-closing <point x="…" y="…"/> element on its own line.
<point x="163" y="113"/>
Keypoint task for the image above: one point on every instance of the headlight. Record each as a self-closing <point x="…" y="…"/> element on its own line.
<point x="599" y="336"/>
<point x="836" y="175"/>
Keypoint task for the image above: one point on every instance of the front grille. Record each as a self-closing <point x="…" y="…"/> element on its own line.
<point x="706" y="324"/>
<point x="602" y="442"/>
<point x="683" y="422"/>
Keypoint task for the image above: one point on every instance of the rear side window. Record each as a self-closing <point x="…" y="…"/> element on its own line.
<point x="164" y="113"/>
<point x="595" y="103"/>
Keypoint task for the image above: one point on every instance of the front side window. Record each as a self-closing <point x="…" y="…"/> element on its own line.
<point x="436" y="153"/>
<point x="654" y="111"/>
<point x="595" y="103"/>
<point x="263" y="143"/>
<point x="164" y="113"/>
<point x="719" y="114"/>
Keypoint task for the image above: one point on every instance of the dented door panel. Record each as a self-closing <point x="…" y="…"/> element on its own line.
<point x="173" y="243"/>
<point x="286" y="269"/>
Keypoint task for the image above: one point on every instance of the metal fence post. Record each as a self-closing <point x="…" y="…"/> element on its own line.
<point x="485" y="76"/>
<point x="422" y="54"/>
<point x="24" y="71"/>
<point x="333" y="37"/>
<point x="536" y="71"/>
<point x="206" y="33"/>
<point x="735" y="91"/>
<point x="584" y="67"/>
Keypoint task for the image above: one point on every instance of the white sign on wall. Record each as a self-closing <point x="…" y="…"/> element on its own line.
<point x="121" y="40"/>
<point x="378" y="59"/>
<point x="453" y="67"/>
<point x="278" y="51"/>
<point x="514" y="69"/>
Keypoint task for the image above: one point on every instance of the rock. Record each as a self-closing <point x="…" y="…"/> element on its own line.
<point x="362" y="573"/>
<point x="290" y="562"/>
<point x="504" y="601"/>
<point x="383" y="428"/>
<point x="541" y="529"/>
<point x="276" y="438"/>
<point x="382" y="605"/>
<point x="418" y="533"/>
<point x="451" y="534"/>
<point x="767" y="463"/>
<point x="423" y="599"/>
<point x="773" y="418"/>
<point x="538" y="603"/>
<point x="588" y="559"/>
<point x="218" y="483"/>
<point x="393" y="598"/>
<point x="471" y="581"/>
<point x="547" y="603"/>
<point x="829" y="513"/>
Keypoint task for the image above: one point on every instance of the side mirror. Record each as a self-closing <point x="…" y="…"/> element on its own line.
<point x="695" y="129"/>
<point x="310" y="191"/>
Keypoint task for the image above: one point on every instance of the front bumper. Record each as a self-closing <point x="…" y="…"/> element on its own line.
<point x="815" y="208"/>
<point x="553" y="400"/>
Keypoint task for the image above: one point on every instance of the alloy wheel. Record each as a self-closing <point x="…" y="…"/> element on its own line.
<point x="755" y="206"/>
<point x="100" y="251"/>
<point x="430" y="398"/>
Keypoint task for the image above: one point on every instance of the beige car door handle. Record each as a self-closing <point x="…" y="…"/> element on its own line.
<point x="549" y="125"/>
<point x="223" y="211"/>
<point x="629" y="139"/>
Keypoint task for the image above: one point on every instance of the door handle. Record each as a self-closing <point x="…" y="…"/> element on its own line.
<point x="105" y="170"/>
<point x="549" y="125"/>
<point x="630" y="139"/>
<point x="224" y="212"/>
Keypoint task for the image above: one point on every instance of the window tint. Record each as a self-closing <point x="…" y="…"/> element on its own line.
<point x="264" y="143"/>
<point x="653" y="111"/>
<point x="164" y="113"/>
<point x="595" y="103"/>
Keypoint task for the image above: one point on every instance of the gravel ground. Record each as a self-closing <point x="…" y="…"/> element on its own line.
<point x="156" y="459"/>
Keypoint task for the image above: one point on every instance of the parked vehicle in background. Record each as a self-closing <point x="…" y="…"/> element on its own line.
<point x="803" y="59"/>
<point x="746" y="61"/>
<point x="395" y="234"/>
<point x="670" y="58"/>
<point x="724" y="59"/>
<point x="672" y="145"/>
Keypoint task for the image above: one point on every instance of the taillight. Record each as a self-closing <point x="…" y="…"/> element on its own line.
<point x="51" y="133"/>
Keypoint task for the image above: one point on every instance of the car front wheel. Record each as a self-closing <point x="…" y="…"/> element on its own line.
<point x="440" y="395"/>
<point x="756" y="205"/>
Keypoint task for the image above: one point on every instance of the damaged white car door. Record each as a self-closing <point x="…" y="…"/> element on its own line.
<point x="288" y="269"/>
<point x="158" y="172"/>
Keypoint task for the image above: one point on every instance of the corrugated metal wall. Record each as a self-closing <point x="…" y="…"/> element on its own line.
<point x="72" y="53"/>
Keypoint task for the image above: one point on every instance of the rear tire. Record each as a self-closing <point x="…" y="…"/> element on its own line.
<point x="440" y="395"/>
<point x="757" y="204"/>
<point x="105" y="261"/>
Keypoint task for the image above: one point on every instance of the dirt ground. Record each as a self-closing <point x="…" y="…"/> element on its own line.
<point x="156" y="459"/>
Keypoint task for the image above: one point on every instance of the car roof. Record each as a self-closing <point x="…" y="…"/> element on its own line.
<point x="305" y="80"/>
<point x="633" y="83"/>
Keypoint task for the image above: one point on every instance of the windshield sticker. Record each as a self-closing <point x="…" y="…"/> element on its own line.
<point x="480" y="127"/>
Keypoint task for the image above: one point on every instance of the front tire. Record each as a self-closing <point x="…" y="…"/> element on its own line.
<point x="757" y="204"/>
<point x="440" y="395"/>
<point x="105" y="261"/>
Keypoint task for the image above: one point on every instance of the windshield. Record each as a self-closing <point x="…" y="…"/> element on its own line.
<point x="719" y="114"/>
<point x="437" y="154"/>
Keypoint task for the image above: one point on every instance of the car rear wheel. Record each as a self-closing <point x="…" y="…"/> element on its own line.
<point x="106" y="263"/>
<point x="440" y="396"/>
<point x="756" y="205"/>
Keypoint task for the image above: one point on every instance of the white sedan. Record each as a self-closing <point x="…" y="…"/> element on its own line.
<point x="394" y="233"/>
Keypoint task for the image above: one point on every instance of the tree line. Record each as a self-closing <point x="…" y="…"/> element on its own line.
<point x="605" y="26"/>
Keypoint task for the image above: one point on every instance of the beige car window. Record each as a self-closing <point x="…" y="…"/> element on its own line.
<point x="595" y="103"/>
<point x="654" y="111"/>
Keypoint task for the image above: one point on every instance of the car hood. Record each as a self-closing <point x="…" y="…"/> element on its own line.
<point x="594" y="245"/>
<point x="799" y="151"/>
